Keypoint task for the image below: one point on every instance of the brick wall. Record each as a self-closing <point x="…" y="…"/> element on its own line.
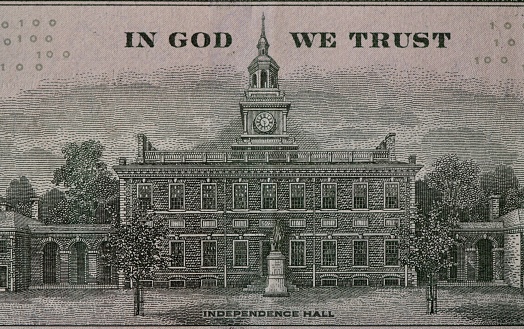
<point x="313" y="192"/>
<point x="512" y="259"/>
<point x="345" y="232"/>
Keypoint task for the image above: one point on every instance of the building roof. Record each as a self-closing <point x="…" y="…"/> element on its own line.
<point x="10" y="220"/>
<point x="514" y="219"/>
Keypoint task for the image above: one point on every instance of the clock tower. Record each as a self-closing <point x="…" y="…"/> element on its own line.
<point x="264" y="109"/>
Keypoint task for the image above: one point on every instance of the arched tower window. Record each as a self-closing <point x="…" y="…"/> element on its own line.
<point x="254" y="80"/>
<point x="263" y="79"/>
<point x="273" y="82"/>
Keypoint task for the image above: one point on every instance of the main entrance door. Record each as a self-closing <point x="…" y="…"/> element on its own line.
<point x="265" y="249"/>
<point x="485" y="258"/>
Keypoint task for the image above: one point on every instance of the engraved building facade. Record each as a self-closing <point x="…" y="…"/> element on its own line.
<point x="337" y="209"/>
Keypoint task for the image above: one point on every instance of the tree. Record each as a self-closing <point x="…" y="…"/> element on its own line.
<point x="514" y="200"/>
<point x="48" y="202"/>
<point x="457" y="182"/>
<point x="500" y="181"/>
<point x="139" y="246"/>
<point x="427" y="247"/>
<point x="425" y="197"/>
<point x="92" y="190"/>
<point x="19" y="194"/>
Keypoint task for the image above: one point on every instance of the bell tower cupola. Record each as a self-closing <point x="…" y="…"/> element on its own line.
<point x="263" y="70"/>
<point x="264" y="109"/>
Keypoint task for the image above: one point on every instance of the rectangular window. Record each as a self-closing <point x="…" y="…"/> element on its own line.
<point x="208" y="283"/>
<point x="3" y="246"/>
<point x="269" y="196"/>
<point x="240" y="223"/>
<point x="329" y="222"/>
<point x="297" y="196"/>
<point x="177" y="222"/>
<point x="360" y="253"/>
<point x="360" y="196"/>
<point x="178" y="251"/>
<point x="240" y="253"/>
<point x="391" y="195"/>
<point x="390" y="221"/>
<point x="177" y="283"/>
<point x="329" y="253"/>
<point x="360" y="281"/>
<point x="176" y="196"/>
<point x="391" y="282"/>
<point x="360" y="222"/>
<point x="144" y="196"/>
<point x="297" y="252"/>
<point x="208" y="223"/>
<point x="297" y="223"/>
<point x="209" y="253"/>
<point x="240" y="196"/>
<point x="391" y="253"/>
<point x="329" y="196"/>
<point x="328" y="282"/>
<point x="209" y="196"/>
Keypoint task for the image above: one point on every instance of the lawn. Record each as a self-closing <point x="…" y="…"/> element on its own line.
<point x="340" y="306"/>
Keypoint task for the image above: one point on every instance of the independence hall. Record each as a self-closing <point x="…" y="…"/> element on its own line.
<point x="337" y="209"/>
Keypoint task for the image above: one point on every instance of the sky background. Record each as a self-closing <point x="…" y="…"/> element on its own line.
<point x="437" y="101"/>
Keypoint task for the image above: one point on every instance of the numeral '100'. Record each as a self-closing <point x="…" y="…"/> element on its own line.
<point x="49" y="54"/>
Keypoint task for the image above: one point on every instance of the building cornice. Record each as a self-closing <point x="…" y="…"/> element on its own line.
<point x="263" y="171"/>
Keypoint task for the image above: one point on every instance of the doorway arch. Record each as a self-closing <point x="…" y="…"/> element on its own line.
<point x="485" y="260"/>
<point x="105" y="274"/>
<point x="78" y="263"/>
<point x="49" y="263"/>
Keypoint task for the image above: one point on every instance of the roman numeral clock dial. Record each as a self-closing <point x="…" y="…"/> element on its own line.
<point x="265" y="123"/>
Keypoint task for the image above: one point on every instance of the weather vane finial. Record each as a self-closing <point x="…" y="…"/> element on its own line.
<point x="263" y="34"/>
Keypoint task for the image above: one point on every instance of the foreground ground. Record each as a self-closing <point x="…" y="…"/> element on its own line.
<point x="348" y="306"/>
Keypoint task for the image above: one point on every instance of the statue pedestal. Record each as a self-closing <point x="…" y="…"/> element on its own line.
<point x="276" y="286"/>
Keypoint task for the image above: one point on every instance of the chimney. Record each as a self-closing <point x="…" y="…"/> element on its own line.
<point x="412" y="159"/>
<point x="34" y="207"/>
<point x="494" y="211"/>
<point x="142" y="141"/>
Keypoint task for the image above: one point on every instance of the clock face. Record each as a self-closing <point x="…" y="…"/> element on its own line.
<point x="264" y="122"/>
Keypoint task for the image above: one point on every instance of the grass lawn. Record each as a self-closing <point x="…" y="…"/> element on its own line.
<point x="348" y="306"/>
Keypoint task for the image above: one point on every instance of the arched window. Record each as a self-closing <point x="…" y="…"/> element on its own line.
<point x="263" y="79"/>
<point x="254" y="80"/>
<point x="105" y="271"/>
<point x="78" y="263"/>
<point x="273" y="82"/>
<point x="49" y="263"/>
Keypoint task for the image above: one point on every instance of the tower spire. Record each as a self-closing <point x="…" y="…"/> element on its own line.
<point x="263" y="33"/>
<point x="263" y="45"/>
